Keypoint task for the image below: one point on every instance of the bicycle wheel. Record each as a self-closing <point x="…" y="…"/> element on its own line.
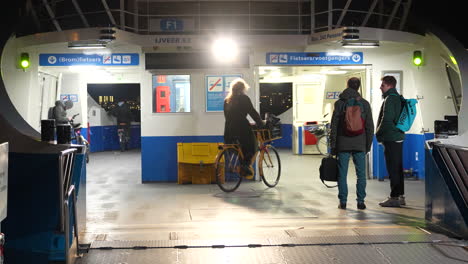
<point x="270" y="166"/>
<point x="121" y="141"/>
<point x="322" y="145"/>
<point x="228" y="175"/>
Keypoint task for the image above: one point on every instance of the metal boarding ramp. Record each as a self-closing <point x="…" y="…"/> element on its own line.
<point x="447" y="188"/>
<point x="403" y="247"/>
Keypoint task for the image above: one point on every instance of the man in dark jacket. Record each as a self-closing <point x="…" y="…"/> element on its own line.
<point x="392" y="140"/>
<point x="345" y="146"/>
<point x="59" y="112"/>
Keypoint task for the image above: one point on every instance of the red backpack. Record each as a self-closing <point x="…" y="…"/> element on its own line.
<point x="353" y="121"/>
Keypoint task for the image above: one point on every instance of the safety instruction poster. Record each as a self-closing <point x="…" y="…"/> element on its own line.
<point x="333" y="95"/>
<point x="217" y="87"/>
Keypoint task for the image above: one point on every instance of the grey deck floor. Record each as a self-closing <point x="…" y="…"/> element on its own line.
<point x="123" y="212"/>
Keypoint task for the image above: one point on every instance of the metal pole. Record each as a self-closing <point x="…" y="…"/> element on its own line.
<point x="312" y="16"/>
<point x="52" y="15"/>
<point x="395" y="9"/>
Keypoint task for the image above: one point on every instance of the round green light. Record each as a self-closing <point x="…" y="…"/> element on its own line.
<point x="25" y="63"/>
<point x="417" y="61"/>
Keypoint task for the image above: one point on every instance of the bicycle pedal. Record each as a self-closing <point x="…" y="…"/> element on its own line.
<point x="249" y="177"/>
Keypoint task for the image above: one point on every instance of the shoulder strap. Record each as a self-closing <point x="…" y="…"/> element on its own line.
<point x="329" y="186"/>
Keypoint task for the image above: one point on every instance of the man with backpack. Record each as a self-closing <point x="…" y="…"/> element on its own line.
<point x="352" y="131"/>
<point x="392" y="139"/>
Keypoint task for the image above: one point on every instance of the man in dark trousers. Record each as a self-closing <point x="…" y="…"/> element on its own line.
<point x="392" y="140"/>
<point x="124" y="118"/>
<point x="345" y="146"/>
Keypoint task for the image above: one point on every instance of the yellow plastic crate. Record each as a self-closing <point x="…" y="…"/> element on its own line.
<point x="196" y="174"/>
<point x="196" y="162"/>
<point x="197" y="153"/>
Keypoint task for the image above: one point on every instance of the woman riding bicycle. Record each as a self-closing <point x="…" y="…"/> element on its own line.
<point x="237" y="128"/>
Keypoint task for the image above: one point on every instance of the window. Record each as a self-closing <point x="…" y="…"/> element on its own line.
<point x="455" y="87"/>
<point x="171" y="93"/>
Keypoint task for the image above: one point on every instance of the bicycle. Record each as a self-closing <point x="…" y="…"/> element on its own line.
<point x="76" y="135"/>
<point x="322" y="132"/>
<point x="228" y="162"/>
<point x="124" y="138"/>
<point x="323" y="140"/>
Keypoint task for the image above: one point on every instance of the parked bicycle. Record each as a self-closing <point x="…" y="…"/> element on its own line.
<point x="322" y="132"/>
<point x="124" y="136"/>
<point x="228" y="162"/>
<point x="76" y="135"/>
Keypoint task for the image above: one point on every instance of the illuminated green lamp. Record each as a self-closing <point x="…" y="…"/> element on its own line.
<point x="453" y="60"/>
<point x="417" y="58"/>
<point x="24" y="61"/>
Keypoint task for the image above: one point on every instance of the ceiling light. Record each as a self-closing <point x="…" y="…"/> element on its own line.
<point x="275" y="74"/>
<point x="352" y="67"/>
<point x="225" y="49"/>
<point x="340" y="53"/>
<point x="91" y="44"/>
<point x="333" y="72"/>
<point x="361" y="44"/>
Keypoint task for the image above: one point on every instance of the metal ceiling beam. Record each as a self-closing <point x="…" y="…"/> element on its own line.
<point x="312" y="16"/>
<point x="330" y="14"/>
<point x="343" y="13"/>
<point x="30" y="8"/>
<point x="78" y="9"/>
<point x="52" y="15"/>
<point x="371" y="10"/>
<point x="405" y="15"/>
<point x="109" y="13"/>
<point x="122" y="14"/>
<point x="390" y="19"/>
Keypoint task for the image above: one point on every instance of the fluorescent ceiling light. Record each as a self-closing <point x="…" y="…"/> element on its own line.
<point x="361" y="44"/>
<point x="352" y="67"/>
<point x="96" y="52"/>
<point x="275" y="74"/>
<point x="340" y="53"/>
<point x="333" y="72"/>
<point x="92" y="44"/>
<point x="83" y="68"/>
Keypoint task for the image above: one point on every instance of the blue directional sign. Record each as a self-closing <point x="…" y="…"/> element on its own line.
<point x="75" y="59"/>
<point x="313" y="58"/>
<point x="171" y="24"/>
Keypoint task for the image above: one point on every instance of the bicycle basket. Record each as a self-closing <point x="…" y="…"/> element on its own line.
<point x="266" y="135"/>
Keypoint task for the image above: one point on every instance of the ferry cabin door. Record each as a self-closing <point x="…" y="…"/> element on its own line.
<point x="48" y="87"/>
<point x="307" y="106"/>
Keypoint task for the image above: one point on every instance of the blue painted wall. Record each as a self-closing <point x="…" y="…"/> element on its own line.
<point x="159" y="156"/>
<point x="413" y="156"/>
<point x="105" y="138"/>
<point x="286" y="140"/>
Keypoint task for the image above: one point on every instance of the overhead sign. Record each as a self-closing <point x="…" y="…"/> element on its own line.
<point x="75" y="59"/>
<point x="171" y="25"/>
<point x="331" y="35"/>
<point x="217" y="87"/>
<point x="313" y="58"/>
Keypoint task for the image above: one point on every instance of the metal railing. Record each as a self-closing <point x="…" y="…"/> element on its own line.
<point x="68" y="198"/>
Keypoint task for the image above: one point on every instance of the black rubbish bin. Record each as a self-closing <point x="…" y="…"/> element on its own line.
<point x="441" y="128"/>
<point x="48" y="130"/>
<point x="63" y="134"/>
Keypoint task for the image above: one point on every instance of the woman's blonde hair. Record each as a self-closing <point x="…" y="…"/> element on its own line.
<point x="238" y="86"/>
